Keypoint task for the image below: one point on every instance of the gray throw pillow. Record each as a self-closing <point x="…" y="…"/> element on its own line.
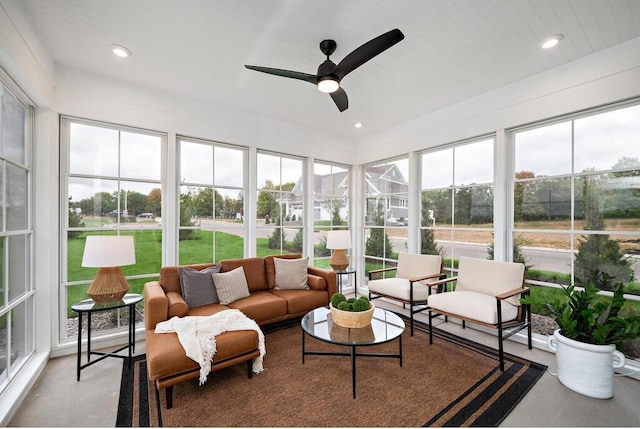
<point x="291" y="273"/>
<point x="197" y="286"/>
<point x="231" y="286"/>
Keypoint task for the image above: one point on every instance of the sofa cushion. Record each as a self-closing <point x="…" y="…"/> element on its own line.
<point x="166" y="357"/>
<point x="261" y="306"/>
<point x="197" y="286"/>
<point x="490" y="277"/>
<point x="398" y="288"/>
<point x="291" y="273"/>
<point x="270" y="269"/>
<point x="231" y="286"/>
<point x="472" y="305"/>
<point x="253" y="271"/>
<point x="303" y="301"/>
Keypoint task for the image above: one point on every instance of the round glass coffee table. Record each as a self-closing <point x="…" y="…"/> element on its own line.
<point x="385" y="326"/>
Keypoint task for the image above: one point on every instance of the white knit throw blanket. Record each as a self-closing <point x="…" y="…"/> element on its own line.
<point x="197" y="334"/>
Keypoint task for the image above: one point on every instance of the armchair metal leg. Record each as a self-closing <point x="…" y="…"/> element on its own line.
<point x="430" y="328"/>
<point x="250" y="368"/>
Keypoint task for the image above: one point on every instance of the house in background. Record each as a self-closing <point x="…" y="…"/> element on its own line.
<point x="387" y="183"/>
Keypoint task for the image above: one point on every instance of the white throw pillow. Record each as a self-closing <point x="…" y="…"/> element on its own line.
<point x="291" y="273"/>
<point x="231" y="286"/>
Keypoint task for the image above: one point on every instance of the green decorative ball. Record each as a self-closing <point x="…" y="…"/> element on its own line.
<point x="344" y="306"/>
<point x="351" y="300"/>
<point x="336" y="299"/>
<point x="361" y="305"/>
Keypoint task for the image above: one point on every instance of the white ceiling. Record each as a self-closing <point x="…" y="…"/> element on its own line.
<point x="453" y="49"/>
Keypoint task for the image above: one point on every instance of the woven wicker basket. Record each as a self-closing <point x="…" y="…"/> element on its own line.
<point x="352" y="319"/>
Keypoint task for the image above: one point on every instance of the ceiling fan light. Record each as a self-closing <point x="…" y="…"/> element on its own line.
<point x="328" y="85"/>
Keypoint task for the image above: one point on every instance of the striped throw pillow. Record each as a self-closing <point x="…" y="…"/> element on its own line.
<point x="231" y="286"/>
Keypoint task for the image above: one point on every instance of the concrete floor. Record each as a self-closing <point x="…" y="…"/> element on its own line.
<point x="57" y="400"/>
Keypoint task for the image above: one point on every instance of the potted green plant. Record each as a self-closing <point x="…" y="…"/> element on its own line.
<point x="588" y="344"/>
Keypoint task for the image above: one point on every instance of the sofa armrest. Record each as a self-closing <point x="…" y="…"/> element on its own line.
<point x="156" y="305"/>
<point x="328" y="275"/>
<point x="177" y="305"/>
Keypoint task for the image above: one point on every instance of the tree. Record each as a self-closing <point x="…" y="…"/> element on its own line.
<point x="75" y="221"/>
<point x="185" y="217"/>
<point x="267" y="203"/>
<point x="518" y="255"/>
<point x="428" y="244"/>
<point x="335" y="206"/>
<point x="154" y="202"/>
<point x="135" y="202"/>
<point x="378" y="243"/>
<point x="277" y="237"/>
<point x="598" y="252"/>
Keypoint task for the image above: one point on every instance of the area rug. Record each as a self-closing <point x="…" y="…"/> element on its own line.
<point x="453" y="382"/>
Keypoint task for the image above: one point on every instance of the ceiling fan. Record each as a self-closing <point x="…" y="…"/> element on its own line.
<point x="329" y="74"/>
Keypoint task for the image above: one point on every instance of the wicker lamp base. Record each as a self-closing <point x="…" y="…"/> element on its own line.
<point x="339" y="260"/>
<point x="109" y="285"/>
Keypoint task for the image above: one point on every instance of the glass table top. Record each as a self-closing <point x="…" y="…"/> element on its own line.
<point x="385" y="326"/>
<point x="90" y="305"/>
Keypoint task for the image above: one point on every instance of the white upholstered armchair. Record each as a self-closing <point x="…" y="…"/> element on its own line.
<point x="487" y="293"/>
<point x="411" y="284"/>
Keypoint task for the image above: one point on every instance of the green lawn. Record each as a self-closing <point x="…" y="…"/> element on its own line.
<point x="229" y="246"/>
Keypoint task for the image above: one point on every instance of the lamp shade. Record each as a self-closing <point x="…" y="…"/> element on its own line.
<point x="108" y="251"/>
<point x="338" y="239"/>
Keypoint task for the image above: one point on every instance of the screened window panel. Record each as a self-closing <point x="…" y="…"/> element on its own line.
<point x="93" y="150"/>
<point x="140" y="156"/>
<point x="608" y="140"/>
<point x="13" y="127"/>
<point x="17" y="198"/>
<point x="196" y="163"/>
<point x="474" y="163"/>
<point x="437" y="169"/>
<point x="18" y="282"/>
<point x="96" y="198"/>
<point x="533" y="149"/>
<point x="227" y="168"/>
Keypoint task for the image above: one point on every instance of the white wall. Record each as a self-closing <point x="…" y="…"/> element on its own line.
<point x="96" y="97"/>
<point x="601" y="78"/>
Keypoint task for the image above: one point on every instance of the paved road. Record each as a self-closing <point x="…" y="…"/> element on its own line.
<point x="541" y="258"/>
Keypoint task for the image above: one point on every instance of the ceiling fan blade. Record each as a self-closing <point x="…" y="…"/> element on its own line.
<point x="340" y="98"/>
<point x="367" y="51"/>
<point x="311" y="78"/>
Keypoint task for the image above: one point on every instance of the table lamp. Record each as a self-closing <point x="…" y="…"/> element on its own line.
<point x="108" y="253"/>
<point x="339" y="240"/>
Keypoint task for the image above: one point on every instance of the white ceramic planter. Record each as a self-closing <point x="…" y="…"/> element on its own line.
<point x="586" y="368"/>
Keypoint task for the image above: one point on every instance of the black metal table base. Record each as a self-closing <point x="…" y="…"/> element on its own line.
<point x="353" y="354"/>
<point x="131" y="344"/>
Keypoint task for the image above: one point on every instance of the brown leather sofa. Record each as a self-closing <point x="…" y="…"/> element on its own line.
<point x="167" y="363"/>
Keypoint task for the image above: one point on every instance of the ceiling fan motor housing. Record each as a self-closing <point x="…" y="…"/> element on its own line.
<point x="328" y="47"/>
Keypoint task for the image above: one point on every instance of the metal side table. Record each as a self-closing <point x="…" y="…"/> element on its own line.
<point x="89" y="307"/>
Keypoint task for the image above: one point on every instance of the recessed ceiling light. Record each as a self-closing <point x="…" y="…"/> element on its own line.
<point x="120" y="51"/>
<point x="551" y="41"/>
<point x="358" y="125"/>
